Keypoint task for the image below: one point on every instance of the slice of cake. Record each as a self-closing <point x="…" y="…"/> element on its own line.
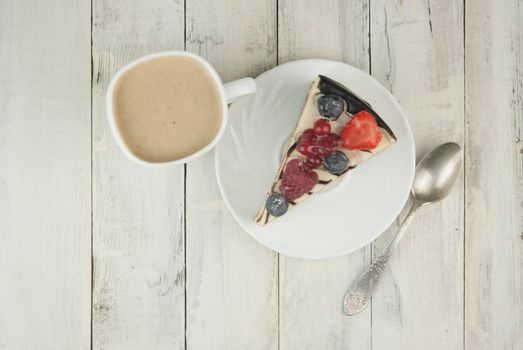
<point x="335" y="133"/>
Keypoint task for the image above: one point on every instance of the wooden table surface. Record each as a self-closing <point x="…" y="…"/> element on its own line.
<point x="99" y="252"/>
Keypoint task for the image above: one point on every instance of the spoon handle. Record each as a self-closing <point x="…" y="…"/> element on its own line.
<point x="364" y="287"/>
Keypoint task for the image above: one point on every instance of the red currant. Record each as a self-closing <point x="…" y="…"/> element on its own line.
<point x="323" y="148"/>
<point x="320" y="149"/>
<point x="305" y="166"/>
<point x="332" y="140"/>
<point x="308" y="136"/>
<point x="322" y="127"/>
<point x="314" y="161"/>
<point x="305" y="149"/>
<point x="312" y="149"/>
<point x="324" y="151"/>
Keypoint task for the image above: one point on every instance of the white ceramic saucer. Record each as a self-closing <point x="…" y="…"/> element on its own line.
<point x="343" y="217"/>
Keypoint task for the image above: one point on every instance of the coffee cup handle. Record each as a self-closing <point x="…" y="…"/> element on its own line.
<point x="238" y="88"/>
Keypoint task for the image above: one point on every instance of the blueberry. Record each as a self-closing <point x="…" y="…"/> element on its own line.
<point x="336" y="162"/>
<point x="330" y="106"/>
<point x="276" y="204"/>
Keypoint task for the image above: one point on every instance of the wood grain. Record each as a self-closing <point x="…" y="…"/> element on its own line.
<point x="311" y="292"/>
<point x="456" y="281"/>
<point x="232" y="300"/>
<point x="45" y="174"/>
<point x="494" y="175"/>
<point x="417" y="52"/>
<point x="138" y="239"/>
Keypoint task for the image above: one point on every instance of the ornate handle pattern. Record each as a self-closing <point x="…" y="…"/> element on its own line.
<point x="360" y="294"/>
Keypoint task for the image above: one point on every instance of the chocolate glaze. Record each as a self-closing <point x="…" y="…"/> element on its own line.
<point x="354" y="103"/>
<point x="344" y="171"/>
<point x="292" y="148"/>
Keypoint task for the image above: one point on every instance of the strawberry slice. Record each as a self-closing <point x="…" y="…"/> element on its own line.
<point x="361" y="132"/>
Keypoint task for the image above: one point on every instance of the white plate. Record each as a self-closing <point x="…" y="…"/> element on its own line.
<point x="345" y="216"/>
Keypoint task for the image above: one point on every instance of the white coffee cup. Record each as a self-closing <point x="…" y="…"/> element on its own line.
<point x="228" y="92"/>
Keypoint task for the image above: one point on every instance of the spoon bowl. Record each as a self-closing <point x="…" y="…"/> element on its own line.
<point x="436" y="173"/>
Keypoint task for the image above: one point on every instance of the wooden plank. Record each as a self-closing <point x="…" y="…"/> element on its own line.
<point x="311" y="292"/>
<point x="494" y="175"/>
<point x="45" y="147"/>
<point x="232" y="281"/>
<point x="138" y="238"/>
<point x="417" y="52"/>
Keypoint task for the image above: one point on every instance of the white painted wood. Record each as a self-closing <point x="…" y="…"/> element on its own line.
<point x="138" y="238"/>
<point x="494" y="175"/>
<point x="239" y="294"/>
<point x="311" y="292"/>
<point x="337" y="30"/>
<point x="417" y="52"/>
<point x="45" y="174"/>
<point x="232" y="281"/>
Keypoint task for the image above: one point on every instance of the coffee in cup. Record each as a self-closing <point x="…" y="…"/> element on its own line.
<point x="170" y="107"/>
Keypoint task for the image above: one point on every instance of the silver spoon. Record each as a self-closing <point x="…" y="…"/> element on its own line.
<point x="435" y="176"/>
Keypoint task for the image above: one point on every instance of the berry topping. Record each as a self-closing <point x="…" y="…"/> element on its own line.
<point x="314" y="161"/>
<point x="332" y="140"/>
<point x="321" y="149"/>
<point x="336" y="162"/>
<point x="298" y="178"/>
<point x="308" y="136"/>
<point x="318" y="141"/>
<point x="330" y="106"/>
<point x="306" y="149"/>
<point x="276" y="204"/>
<point x="326" y="145"/>
<point x="322" y="127"/>
<point x="361" y="132"/>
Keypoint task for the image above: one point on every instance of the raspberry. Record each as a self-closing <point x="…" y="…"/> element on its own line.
<point x="297" y="179"/>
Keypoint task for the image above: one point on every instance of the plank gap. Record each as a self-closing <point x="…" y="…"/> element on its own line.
<point x="185" y="252"/>
<point x="465" y="160"/>
<point x="91" y="189"/>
